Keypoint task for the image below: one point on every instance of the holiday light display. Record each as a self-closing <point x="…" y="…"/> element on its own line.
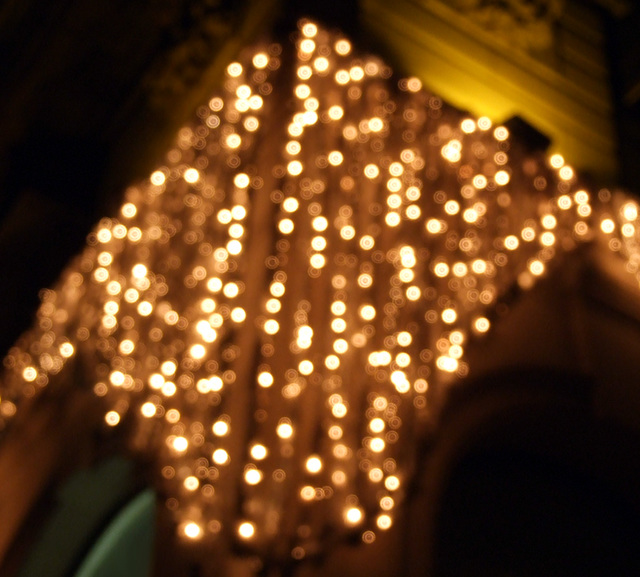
<point x="274" y="307"/>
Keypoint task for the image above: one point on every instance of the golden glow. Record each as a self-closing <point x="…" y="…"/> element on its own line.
<point x="305" y="367"/>
<point x="265" y="379"/>
<point x="340" y="346"/>
<point x="294" y="167"/>
<point x="317" y="261"/>
<point x="148" y="410"/>
<point x="501" y="133"/>
<point x="197" y="351"/>
<point x="252" y="476"/>
<point x="29" y="374"/>
<point x="484" y="123"/>
<point x="339" y="410"/>
<point x="335" y="158"/>
<point x="246" y="530"/>
<point x="290" y="204"/>
<point x="375" y="124"/>
<point x="233" y="141"/>
<point x="481" y="324"/>
<point x="286" y="226"/>
<point x="321" y="64"/>
<point x="451" y="207"/>
<point x="192" y="530"/>
<point x="191" y="175"/>
<point x="318" y="243"/>
<point x="480" y="182"/>
<point x="258" y="452"/>
<point x="104" y="235"/>
<point x="231" y="290"/>
<point x="234" y="69"/>
<point x="434" y="226"/>
<point x="260" y="60"/>
<point x="392" y="483"/>
<point x="547" y="238"/>
<point x="566" y="173"/>
<point x="268" y="312"/>
<point x="220" y="428"/>
<point x="414" y="84"/>
<point x="376" y="475"/>
<point x="343" y="47"/>
<point x="284" y="430"/>
<point x="356" y="73"/>
<point x="528" y="234"/>
<point x="557" y="161"/>
<point x="112" y="418"/>
<point x="511" y="242"/>
<point x="320" y="223"/>
<point x="129" y="209"/>
<point x="452" y="151"/>
<point x="307" y="46"/>
<point x="607" y="225"/>
<point x="630" y="211"/>
<point x="191" y="483"/>
<point x="271" y="327"/>
<point x="536" y="267"/>
<point x="220" y="457"/>
<point x="336" y="112"/>
<point x="371" y="171"/>
<point x="549" y="221"/>
<point x="377" y="425"/>
<point x="338" y="325"/>
<point x="353" y="516"/>
<point x="180" y="444"/>
<point x="502" y="177"/>
<point x="308" y="493"/>
<point x="309" y="29"/>
<point x="468" y="125"/>
<point x="441" y="269"/>
<point x="377" y="445"/>
<point x="313" y="464"/>
<point x="387" y="503"/>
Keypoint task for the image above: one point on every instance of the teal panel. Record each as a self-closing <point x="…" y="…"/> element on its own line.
<point x="125" y="547"/>
<point x="82" y="507"/>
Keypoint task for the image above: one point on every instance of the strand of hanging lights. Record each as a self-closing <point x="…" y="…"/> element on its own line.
<point x="274" y="308"/>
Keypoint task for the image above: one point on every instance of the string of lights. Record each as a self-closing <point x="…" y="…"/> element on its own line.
<point x="275" y="307"/>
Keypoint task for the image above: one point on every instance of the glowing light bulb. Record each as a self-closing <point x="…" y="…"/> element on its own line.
<point x="180" y="444"/>
<point x="246" y="530"/>
<point x="148" y="410"/>
<point x="192" y="530"/>
<point x="191" y="483"/>
<point x="220" y="428"/>
<point x="252" y="476"/>
<point x="353" y="516"/>
<point x="191" y="175"/>
<point x="284" y="430"/>
<point x="258" y="452"/>
<point x="112" y="418"/>
<point x="220" y="457"/>
<point x="607" y="226"/>
<point x="314" y="464"/>
<point x="265" y="379"/>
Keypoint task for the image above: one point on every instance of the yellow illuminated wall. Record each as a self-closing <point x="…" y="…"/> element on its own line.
<point x="562" y="90"/>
